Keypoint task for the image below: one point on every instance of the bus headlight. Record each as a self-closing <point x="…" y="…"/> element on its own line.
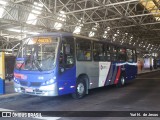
<point x="15" y="80"/>
<point x="48" y="82"/>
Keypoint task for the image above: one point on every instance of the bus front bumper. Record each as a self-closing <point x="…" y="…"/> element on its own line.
<point x="49" y="90"/>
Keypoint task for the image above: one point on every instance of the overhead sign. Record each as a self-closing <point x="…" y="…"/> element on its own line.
<point x="44" y="40"/>
<point x="40" y="40"/>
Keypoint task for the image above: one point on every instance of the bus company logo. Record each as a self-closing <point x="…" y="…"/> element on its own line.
<point x="103" y="67"/>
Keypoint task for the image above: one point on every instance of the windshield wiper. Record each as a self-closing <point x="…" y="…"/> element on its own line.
<point x="36" y="63"/>
<point x="23" y="63"/>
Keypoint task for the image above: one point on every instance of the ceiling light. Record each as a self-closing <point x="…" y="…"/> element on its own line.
<point x="3" y="2"/>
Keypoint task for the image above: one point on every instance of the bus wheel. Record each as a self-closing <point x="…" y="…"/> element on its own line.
<point x="80" y="89"/>
<point x="121" y="82"/>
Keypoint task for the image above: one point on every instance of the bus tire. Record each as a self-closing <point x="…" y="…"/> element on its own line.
<point x="80" y="89"/>
<point x="121" y="81"/>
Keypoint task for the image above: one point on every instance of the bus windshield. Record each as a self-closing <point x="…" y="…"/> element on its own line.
<point x="37" y="53"/>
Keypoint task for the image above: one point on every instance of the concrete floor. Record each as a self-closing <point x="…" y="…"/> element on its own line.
<point x="141" y="95"/>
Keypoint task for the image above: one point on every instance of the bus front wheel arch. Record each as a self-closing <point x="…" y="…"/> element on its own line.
<point x="81" y="88"/>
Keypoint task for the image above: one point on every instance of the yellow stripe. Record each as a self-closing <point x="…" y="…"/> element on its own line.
<point x="3" y="66"/>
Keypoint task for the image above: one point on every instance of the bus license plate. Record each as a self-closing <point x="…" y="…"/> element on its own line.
<point x="29" y="90"/>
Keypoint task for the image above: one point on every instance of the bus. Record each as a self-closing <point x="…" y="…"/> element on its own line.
<point x="53" y="64"/>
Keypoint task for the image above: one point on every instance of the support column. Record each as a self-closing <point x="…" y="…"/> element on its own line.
<point x="151" y="67"/>
<point x="2" y="73"/>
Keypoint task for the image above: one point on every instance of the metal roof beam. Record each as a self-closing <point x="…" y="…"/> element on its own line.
<point x="19" y="1"/>
<point x="125" y="17"/>
<point x="112" y="4"/>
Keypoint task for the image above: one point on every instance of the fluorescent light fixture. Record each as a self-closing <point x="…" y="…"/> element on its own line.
<point x="1" y="12"/>
<point x="36" y="12"/>
<point x="62" y="17"/>
<point x="95" y="29"/>
<point x="62" y="12"/>
<point x="117" y="31"/>
<point x="126" y="33"/>
<point x="32" y="19"/>
<point x="38" y="4"/>
<point x="36" y="9"/>
<point x="77" y="30"/>
<point x="108" y="28"/>
<point x="104" y="36"/>
<point x="33" y="33"/>
<point x="91" y="34"/>
<point x="2" y="8"/>
<point x="58" y="26"/>
<point x="115" y="34"/>
<point x="14" y="30"/>
<point x="3" y="2"/>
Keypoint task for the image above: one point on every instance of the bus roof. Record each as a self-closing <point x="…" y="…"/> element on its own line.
<point x="65" y="34"/>
<point x="54" y="34"/>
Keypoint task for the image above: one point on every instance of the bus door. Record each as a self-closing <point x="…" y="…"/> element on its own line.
<point x="67" y="68"/>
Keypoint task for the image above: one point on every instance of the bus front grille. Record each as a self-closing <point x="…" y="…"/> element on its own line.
<point x="35" y="92"/>
<point x="31" y="84"/>
<point x="24" y="83"/>
<point x="35" y="84"/>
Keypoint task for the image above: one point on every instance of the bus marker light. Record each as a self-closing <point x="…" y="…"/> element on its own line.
<point x="40" y="77"/>
<point x="72" y="86"/>
<point x="61" y="88"/>
<point x="16" y="90"/>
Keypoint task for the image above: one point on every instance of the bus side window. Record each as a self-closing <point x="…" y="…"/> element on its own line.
<point x="83" y="49"/>
<point x="134" y="56"/>
<point x="121" y="54"/>
<point x="98" y="51"/>
<point x="114" y="53"/>
<point x="107" y="54"/>
<point x="129" y="55"/>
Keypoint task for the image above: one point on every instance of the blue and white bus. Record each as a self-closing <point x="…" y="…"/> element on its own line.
<point x="59" y="63"/>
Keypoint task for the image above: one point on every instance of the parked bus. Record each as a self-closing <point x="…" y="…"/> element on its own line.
<point x="60" y="63"/>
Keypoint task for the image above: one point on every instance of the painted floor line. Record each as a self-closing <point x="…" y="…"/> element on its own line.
<point x="40" y="118"/>
<point x="9" y="95"/>
<point x="149" y="78"/>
